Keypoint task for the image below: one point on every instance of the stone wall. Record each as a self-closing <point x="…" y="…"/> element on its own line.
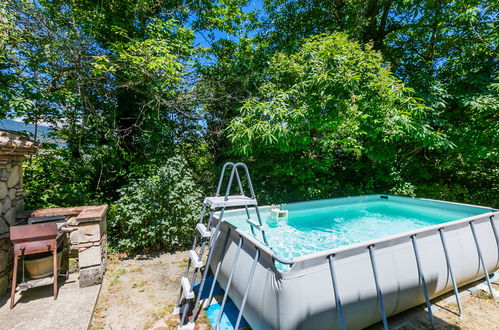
<point x="11" y="201"/>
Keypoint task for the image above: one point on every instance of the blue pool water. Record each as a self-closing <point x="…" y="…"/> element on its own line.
<point x="322" y="225"/>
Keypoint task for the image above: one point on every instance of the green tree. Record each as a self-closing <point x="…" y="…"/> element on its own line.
<point x="330" y="115"/>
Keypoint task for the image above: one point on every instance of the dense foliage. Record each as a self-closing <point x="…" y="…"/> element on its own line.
<point x="320" y="98"/>
<point x="331" y="114"/>
<point x="159" y="210"/>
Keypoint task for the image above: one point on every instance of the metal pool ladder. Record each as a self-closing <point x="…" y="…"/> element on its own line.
<point x="206" y="235"/>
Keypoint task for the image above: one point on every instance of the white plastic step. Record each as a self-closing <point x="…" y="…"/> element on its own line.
<point x="196" y="260"/>
<point x="186" y="286"/>
<point x="236" y="200"/>
<point x="254" y="224"/>
<point x="201" y="228"/>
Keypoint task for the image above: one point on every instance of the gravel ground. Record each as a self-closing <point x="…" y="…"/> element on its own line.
<point x="140" y="291"/>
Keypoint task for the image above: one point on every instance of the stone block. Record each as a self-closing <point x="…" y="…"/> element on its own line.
<point x="3" y="174"/>
<point x="6" y="204"/>
<point x="19" y="205"/>
<point x="104" y="255"/>
<point x="10" y="217"/>
<point x="14" y="174"/>
<point x="12" y="193"/>
<point x="90" y="257"/>
<point x="4" y="283"/>
<point x="72" y="222"/>
<point x="4" y="243"/>
<point x="4" y="260"/>
<point x="89" y="232"/>
<point x="3" y="190"/>
<point x="73" y="237"/>
<point x="91" y="276"/>
<point x="4" y="227"/>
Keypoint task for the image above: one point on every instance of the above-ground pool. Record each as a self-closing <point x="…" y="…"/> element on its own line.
<point x="292" y="287"/>
<point x="327" y="224"/>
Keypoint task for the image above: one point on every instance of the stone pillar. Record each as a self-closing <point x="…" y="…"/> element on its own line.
<point x="13" y="148"/>
<point x="89" y="240"/>
<point x="11" y="194"/>
<point x="92" y="252"/>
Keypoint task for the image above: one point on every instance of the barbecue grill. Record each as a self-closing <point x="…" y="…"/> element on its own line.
<point x="41" y="235"/>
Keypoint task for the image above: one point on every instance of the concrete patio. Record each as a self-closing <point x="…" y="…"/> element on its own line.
<point x="37" y="309"/>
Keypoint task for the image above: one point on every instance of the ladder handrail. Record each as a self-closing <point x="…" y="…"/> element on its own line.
<point x="222" y="177"/>
<point x="234" y="170"/>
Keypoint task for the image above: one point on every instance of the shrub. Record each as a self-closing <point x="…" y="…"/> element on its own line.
<point x="53" y="178"/>
<point x="158" y="211"/>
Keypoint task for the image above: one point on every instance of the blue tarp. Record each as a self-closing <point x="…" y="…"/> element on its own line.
<point x="229" y="315"/>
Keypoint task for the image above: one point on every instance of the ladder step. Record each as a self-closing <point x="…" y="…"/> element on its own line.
<point x="236" y="200"/>
<point x="186" y="286"/>
<point x="195" y="258"/>
<point x="254" y="224"/>
<point x="201" y="228"/>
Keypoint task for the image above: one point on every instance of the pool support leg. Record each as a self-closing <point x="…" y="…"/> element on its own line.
<point x="378" y="288"/>
<point x="246" y="292"/>
<point x="472" y="225"/>
<point x="219" y="264"/>
<point x="495" y="232"/>
<point x="232" y="271"/>
<point x="451" y="273"/>
<point x="336" y="293"/>
<point x="422" y="279"/>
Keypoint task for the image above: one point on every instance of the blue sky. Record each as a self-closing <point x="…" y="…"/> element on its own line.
<point x="252" y="5"/>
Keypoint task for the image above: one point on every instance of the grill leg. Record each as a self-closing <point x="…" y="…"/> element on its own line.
<point x="14" y="281"/>
<point x="54" y="254"/>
